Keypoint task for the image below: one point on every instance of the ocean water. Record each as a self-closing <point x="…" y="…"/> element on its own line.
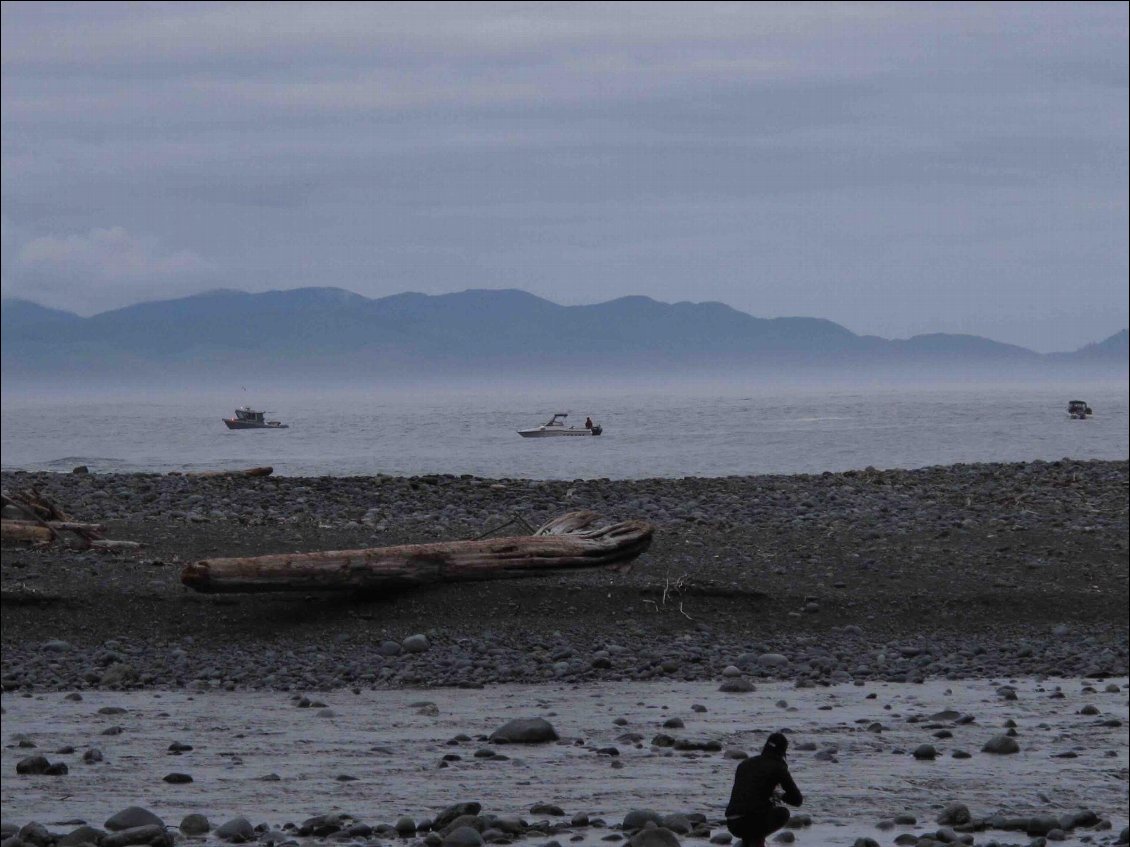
<point x="656" y="432"/>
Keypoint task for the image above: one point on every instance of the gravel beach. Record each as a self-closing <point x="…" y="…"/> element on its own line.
<point x="965" y="571"/>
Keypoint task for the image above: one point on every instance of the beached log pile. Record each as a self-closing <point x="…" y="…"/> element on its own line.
<point x="567" y="542"/>
<point x="31" y="518"/>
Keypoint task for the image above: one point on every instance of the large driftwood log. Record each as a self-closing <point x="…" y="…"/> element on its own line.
<point x="266" y="470"/>
<point x="560" y="544"/>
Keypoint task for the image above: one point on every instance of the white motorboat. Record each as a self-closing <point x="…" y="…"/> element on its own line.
<point x="555" y="426"/>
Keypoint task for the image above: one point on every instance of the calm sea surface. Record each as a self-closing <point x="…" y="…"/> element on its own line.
<point x="647" y="433"/>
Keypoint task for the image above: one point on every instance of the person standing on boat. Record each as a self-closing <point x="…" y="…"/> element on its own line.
<point x="753" y="811"/>
<point x="588" y="423"/>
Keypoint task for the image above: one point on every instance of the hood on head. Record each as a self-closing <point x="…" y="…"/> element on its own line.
<point x="776" y="745"/>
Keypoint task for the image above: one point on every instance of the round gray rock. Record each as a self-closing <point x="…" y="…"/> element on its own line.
<point x="1001" y="745"/>
<point x="954" y="814"/>
<point x="463" y="836"/>
<point x="195" y="824"/>
<point x="654" y="837"/>
<point x="639" y="818"/>
<point x="132" y="817"/>
<point x="235" y="831"/>
<point x="524" y="731"/>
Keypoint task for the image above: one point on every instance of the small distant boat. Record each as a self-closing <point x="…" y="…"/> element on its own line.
<point x="248" y="418"/>
<point x="555" y="426"/>
<point x="1078" y="410"/>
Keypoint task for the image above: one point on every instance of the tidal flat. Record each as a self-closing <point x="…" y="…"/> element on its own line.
<point x="376" y="756"/>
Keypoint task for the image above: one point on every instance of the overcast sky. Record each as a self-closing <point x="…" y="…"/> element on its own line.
<point x="896" y="168"/>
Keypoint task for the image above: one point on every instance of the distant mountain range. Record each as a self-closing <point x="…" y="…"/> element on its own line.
<point x="337" y="336"/>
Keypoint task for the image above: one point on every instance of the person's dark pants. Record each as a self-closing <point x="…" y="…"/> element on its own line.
<point x="753" y="828"/>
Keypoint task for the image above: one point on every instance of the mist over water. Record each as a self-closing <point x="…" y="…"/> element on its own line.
<point x="670" y="431"/>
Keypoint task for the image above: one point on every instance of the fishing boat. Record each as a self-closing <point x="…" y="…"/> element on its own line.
<point x="555" y="427"/>
<point x="248" y="418"/>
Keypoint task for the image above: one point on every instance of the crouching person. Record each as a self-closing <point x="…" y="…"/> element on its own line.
<point x="754" y="811"/>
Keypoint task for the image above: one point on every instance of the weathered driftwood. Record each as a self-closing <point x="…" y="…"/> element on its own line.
<point x="266" y="470"/>
<point x="73" y="526"/>
<point x="111" y="544"/>
<point x="26" y="531"/>
<point x="560" y="544"/>
<point x="42" y="522"/>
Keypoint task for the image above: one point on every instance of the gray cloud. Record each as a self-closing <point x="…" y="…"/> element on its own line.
<point x="88" y="271"/>
<point x="897" y="168"/>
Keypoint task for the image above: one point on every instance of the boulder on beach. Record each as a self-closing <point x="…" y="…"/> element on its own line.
<point x="654" y="837"/>
<point x="405" y="826"/>
<point x="639" y="818"/>
<point x="235" y="831"/>
<point x="954" y="814"/>
<point x="524" y="731"/>
<point x="131" y="818"/>
<point x="195" y="824"/>
<point x="33" y="833"/>
<point x="456" y="810"/>
<point x="1001" y="745"/>
<point x="32" y="766"/>
<point x="83" y="835"/>
<point x="463" y="836"/>
<point x="150" y="834"/>
<point x="1041" y="824"/>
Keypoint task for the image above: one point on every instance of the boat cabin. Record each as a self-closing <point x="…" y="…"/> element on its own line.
<point x="247" y="414"/>
<point x="558" y="419"/>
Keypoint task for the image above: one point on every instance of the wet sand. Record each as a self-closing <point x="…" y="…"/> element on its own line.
<point x="393" y="745"/>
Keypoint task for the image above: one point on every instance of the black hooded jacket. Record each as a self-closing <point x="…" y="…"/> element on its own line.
<point x="754" y="782"/>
